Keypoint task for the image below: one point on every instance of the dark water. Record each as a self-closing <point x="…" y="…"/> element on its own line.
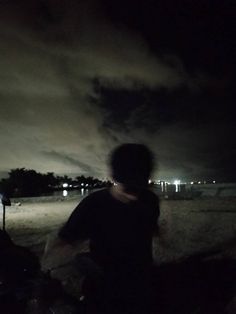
<point x="71" y="193"/>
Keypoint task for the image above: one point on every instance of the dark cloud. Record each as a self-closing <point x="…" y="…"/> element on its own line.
<point x="201" y="33"/>
<point x="64" y="158"/>
<point x="76" y="79"/>
<point x="188" y="130"/>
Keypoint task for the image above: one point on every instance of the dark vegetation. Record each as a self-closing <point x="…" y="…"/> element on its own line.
<point x="27" y="182"/>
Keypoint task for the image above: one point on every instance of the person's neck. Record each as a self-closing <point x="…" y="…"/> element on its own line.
<point x="119" y="193"/>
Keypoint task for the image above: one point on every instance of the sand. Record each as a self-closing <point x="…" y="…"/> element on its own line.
<point x="188" y="226"/>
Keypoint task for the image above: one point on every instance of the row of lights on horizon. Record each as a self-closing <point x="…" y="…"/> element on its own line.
<point x="163" y="184"/>
<point x="66" y="185"/>
<point x="160" y="182"/>
<point x="178" y="182"/>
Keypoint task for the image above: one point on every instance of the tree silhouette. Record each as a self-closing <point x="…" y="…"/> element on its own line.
<point x="28" y="182"/>
<point x="23" y="182"/>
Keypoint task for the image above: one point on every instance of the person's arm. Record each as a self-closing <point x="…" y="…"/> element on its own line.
<point x="55" y="246"/>
<point x="62" y="246"/>
<point x="78" y="226"/>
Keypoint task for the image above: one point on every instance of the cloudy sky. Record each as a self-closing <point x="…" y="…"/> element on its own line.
<point x="78" y="78"/>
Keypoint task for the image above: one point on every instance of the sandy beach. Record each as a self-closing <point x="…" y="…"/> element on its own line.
<point x="188" y="226"/>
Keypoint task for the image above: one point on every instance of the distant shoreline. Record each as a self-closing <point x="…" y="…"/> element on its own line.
<point x="190" y="192"/>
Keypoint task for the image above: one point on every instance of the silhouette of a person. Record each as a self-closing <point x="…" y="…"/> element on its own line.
<point x="120" y="222"/>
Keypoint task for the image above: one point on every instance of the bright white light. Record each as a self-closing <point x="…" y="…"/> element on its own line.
<point x="65" y="185"/>
<point x="199" y="182"/>
<point x="65" y="193"/>
<point x="82" y="184"/>
<point x="82" y="192"/>
<point x="214" y="182"/>
<point x="149" y="181"/>
<point x="192" y="182"/>
<point x="177" y="183"/>
<point x="87" y="184"/>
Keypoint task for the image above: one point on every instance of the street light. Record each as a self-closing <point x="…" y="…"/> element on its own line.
<point x="5" y="202"/>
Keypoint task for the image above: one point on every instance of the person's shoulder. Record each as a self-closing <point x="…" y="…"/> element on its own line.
<point x="94" y="199"/>
<point x="98" y="195"/>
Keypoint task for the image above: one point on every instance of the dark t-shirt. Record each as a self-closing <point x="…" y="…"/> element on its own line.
<point x="120" y="233"/>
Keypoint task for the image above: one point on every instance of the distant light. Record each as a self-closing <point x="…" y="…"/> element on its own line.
<point x="70" y="185"/>
<point x="82" y="184"/>
<point x="82" y="192"/>
<point x="214" y="182"/>
<point x="199" y="182"/>
<point x="192" y="182"/>
<point x="177" y="183"/>
<point x="65" y="185"/>
<point x="149" y="181"/>
<point x="87" y="184"/>
<point x="65" y="193"/>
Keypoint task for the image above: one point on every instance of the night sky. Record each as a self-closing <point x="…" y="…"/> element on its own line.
<point x="80" y="77"/>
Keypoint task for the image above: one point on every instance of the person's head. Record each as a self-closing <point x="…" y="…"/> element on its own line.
<point x="131" y="164"/>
